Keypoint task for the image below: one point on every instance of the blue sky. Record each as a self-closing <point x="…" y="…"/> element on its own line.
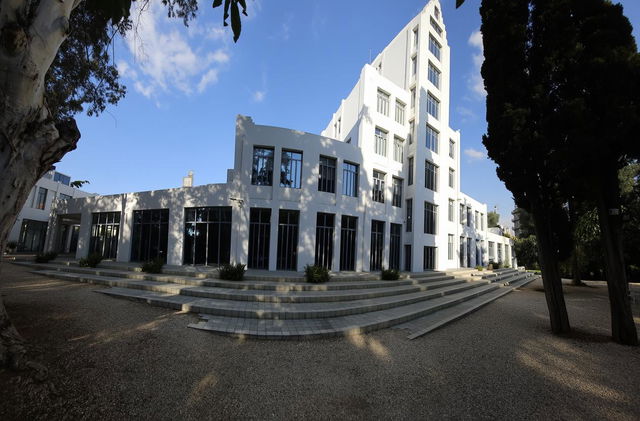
<point x="293" y="64"/>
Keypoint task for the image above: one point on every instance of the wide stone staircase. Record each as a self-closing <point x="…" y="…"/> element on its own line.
<point x="273" y="307"/>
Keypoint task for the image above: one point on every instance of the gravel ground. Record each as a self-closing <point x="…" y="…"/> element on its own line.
<point x="116" y="359"/>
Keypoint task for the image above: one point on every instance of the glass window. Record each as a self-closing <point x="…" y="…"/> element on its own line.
<point x="410" y="171"/>
<point x="150" y="235"/>
<point x="291" y="169"/>
<point x="429" y="257"/>
<point x="430" y="217"/>
<point x="434" y="46"/>
<point x="436" y="27"/>
<point x="377" y="245"/>
<point x="431" y="176"/>
<point x="452" y="148"/>
<point x="288" y="230"/>
<point x="468" y="216"/>
<point x="461" y="214"/>
<point x="397" y="192"/>
<point x="436" y="12"/>
<point x="394" y="246"/>
<point x="62" y="196"/>
<point x="383" y="102"/>
<point x="452" y="177"/>
<point x="378" y="186"/>
<point x="398" y="149"/>
<point x="61" y="178"/>
<point x="207" y="235"/>
<point x="451" y="209"/>
<point x="434" y="75"/>
<point x="350" y="179"/>
<point x="327" y="175"/>
<point x="41" y="199"/>
<point x="412" y="129"/>
<point x="433" y="138"/>
<point x="325" y="223"/>
<point x="414" y="65"/>
<point x="262" y="173"/>
<point x="400" y="112"/>
<point x="381" y="142"/>
<point x="409" y="213"/>
<point x="433" y="106"/>
<point x="413" y="97"/>
<point x="259" y="238"/>
<point x="348" y="240"/>
<point x="450" y="247"/>
<point x="105" y="229"/>
<point x="477" y="220"/>
<point x="416" y="38"/>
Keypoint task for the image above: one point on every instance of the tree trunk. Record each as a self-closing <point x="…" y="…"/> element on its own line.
<point x="30" y="140"/>
<point x="575" y="266"/>
<point x="623" y="328"/>
<point x="548" y="256"/>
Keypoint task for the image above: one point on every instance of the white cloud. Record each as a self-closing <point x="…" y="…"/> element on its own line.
<point x="166" y="59"/>
<point x="466" y="114"/>
<point x="474" y="80"/>
<point x="474" y="154"/>
<point x="259" y="96"/>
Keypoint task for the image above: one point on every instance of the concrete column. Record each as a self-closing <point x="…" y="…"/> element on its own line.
<point x="125" y="237"/>
<point x="84" y="235"/>
<point x="175" y="242"/>
<point x="273" y="240"/>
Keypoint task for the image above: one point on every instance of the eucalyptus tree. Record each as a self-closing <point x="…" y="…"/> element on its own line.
<point x="54" y="63"/>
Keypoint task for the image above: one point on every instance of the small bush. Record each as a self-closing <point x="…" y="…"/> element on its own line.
<point x="11" y="246"/>
<point x="153" y="266"/>
<point x="91" y="260"/>
<point x="494" y="265"/>
<point x="231" y="272"/>
<point x="479" y="268"/>
<point x="316" y="274"/>
<point x="390" y="274"/>
<point x="45" y="257"/>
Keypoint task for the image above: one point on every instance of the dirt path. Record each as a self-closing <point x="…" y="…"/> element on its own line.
<point x="117" y="359"/>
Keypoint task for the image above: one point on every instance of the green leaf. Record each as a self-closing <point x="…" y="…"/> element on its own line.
<point x="217" y="3"/>
<point x="459" y="3"/>
<point x="236" y="25"/>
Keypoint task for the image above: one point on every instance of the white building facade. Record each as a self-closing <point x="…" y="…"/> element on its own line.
<point x="379" y="188"/>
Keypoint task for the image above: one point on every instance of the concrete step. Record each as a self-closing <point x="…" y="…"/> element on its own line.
<point x="276" y="296"/>
<point x="423" y="325"/>
<point x="336" y="326"/>
<point x="279" y="311"/>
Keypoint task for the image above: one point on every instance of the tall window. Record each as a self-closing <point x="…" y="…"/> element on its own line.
<point x="32" y="235"/>
<point x="325" y="223"/>
<point x="338" y="127"/>
<point x="105" y="230"/>
<point x="416" y="38"/>
<point x="348" y="240"/>
<point x="259" y="238"/>
<point x="452" y="177"/>
<point x="434" y="47"/>
<point x="436" y="12"/>
<point x="378" y="186"/>
<point x="429" y="258"/>
<point x="477" y="220"/>
<point x="350" y="179"/>
<point x="452" y="148"/>
<point x="434" y="75"/>
<point x="499" y="252"/>
<point x="400" y="106"/>
<point x="409" y="218"/>
<point x="433" y="138"/>
<point x="62" y="196"/>
<point x="431" y="176"/>
<point x="468" y="216"/>
<point x="41" y="199"/>
<point x="407" y="257"/>
<point x="291" y="169"/>
<point x="413" y="97"/>
<point x="377" y="245"/>
<point x="287" y="258"/>
<point x="430" y="217"/>
<point x="482" y="221"/>
<point x="380" y="146"/>
<point x="436" y="27"/>
<point x="450" y="247"/>
<point x="383" y="102"/>
<point x="207" y="235"/>
<point x="410" y="171"/>
<point x="396" y="199"/>
<point x="433" y="106"/>
<point x="492" y="253"/>
<point x="398" y="149"/>
<point x="412" y="129"/>
<point x="451" y="209"/>
<point x="394" y="246"/>
<point x="327" y="175"/>
<point x="461" y="214"/>
<point x="262" y="173"/>
<point x="150" y="235"/>
<point x="414" y="65"/>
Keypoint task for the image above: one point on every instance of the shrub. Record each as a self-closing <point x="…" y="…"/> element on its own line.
<point x="91" y="260"/>
<point x="11" y="246"/>
<point x="480" y="268"/>
<point x="45" y="257"/>
<point x="231" y="272"/>
<point x="494" y="265"/>
<point x="390" y="274"/>
<point x="316" y="274"/>
<point x="153" y="266"/>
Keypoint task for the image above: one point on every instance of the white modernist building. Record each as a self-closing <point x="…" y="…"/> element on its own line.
<point x="30" y="229"/>
<point x="380" y="187"/>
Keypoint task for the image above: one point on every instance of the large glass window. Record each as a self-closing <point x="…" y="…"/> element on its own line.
<point x="433" y="138"/>
<point x="433" y="106"/>
<point x="409" y="218"/>
<point x="430" y="218"/>
<point x="207" y="235"/>
<point x="383" y="102"/>
<point x="431" y="176"/>
<point x="105" y="230"/>
<point x="377" y="245"/>
<point x="412" y="129"/>
<point x="398" y="149"/>
<point x="262" y="172"/>
<point x="378" y="186"/>
<point x="436" y="27"/>
<point x="429" y="258"/>
<point x="434" y="75"/>
<point x="452" y="148"/>
<point x="450" y="248"/>
<point x="150" y="235"/>
<point x="400" y="112"/>
<point x="327" y="175"/>
<point x="394" y="246"/>
<point x="407" y="257"/>
<point x="413" y="97"/>
<point x="434" y="47"/>
<point x="61" y="178"/>
<point x="451" y="210"/>
<point x="380" y="146"/>
<point x="41" y="198"/>
<point x="350" y="179"/>
<point x="259" y="238"/>
<point x="452" y="177"/>
<point x="291" y="169"/>
<point x="396" y="199"/>
<point x="288" y="239"/>
<point x="410" y="171"/>
<point x="325" y="223"/>
<point x="32" y="235"/>
<point x="348" y="240"/>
